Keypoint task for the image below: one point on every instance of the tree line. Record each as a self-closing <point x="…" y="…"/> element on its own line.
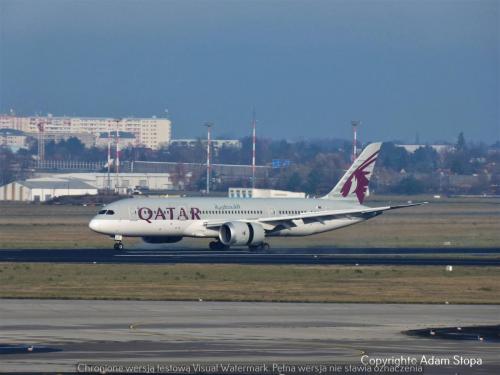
<point x="313" y="166"/>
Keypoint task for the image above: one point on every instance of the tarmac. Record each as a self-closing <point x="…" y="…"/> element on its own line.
<point x="74" y="335"/>
<point x="313" y="256"/>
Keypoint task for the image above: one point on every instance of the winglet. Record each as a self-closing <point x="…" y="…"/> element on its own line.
<point x="354" y="184"/>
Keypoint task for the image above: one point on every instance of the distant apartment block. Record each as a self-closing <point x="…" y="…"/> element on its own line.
<point x="12" y="138"/>
<point x="147" y="132"/>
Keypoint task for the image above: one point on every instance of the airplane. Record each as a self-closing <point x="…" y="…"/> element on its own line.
<point x="244" y="221"/>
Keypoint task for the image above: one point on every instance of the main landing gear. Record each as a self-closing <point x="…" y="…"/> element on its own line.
<point x="217" y="245"/>
<point x="262" y="246"/>
<point x="118" y="242"/>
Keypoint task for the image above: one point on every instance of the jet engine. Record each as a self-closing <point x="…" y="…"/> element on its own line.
<point x="161" y="239"/>
<point x="240" y="233"/>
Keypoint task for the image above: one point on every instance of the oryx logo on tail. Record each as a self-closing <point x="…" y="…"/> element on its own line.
<point x="355" y="181"/>
<point x="361" y="175"/>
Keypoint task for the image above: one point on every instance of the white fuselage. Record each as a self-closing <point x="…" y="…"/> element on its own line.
<point x="194" y="217"/>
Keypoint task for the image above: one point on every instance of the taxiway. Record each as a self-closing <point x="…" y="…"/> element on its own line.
<point x="137" y="332"/>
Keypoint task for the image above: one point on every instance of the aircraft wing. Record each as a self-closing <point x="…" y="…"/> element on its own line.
<point x="270" y="223"/>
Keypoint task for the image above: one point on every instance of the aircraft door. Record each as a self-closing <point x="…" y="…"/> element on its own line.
<point x="133" y="213"/>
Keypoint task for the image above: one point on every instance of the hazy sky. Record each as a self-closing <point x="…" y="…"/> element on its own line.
<point x="309" y="67"/>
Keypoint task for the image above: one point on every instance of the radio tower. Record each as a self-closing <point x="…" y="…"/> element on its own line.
<point x="41" y="142"/>
<point x="254" y="124"/>
<point x="355" y="125"/>
<point x="209" y="126"/>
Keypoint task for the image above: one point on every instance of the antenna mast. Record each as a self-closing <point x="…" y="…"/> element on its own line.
<point x="117" y="161"/>
<point x="254" y="124"/>
<point x="41" y="142"/>
<point x="109" y="156"/>
<point x="209" y="126"/>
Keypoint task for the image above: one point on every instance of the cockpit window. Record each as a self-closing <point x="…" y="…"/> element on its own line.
<point x="110" y="212"/>
<point x="102" y="212"/>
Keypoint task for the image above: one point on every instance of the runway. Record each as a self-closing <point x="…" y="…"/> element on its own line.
<point x="174" y="333"/>
<point x="313" y="256"/>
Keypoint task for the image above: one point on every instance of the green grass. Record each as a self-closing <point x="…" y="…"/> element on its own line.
<point x="251" y="283"/>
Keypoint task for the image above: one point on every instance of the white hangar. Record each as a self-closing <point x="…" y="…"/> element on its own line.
<point x="41" y="191"/>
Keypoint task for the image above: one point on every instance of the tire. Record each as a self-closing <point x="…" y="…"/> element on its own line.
<point x="265" y="246"/>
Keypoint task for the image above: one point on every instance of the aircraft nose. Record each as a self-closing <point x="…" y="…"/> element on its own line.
<point x="94" y="225"/>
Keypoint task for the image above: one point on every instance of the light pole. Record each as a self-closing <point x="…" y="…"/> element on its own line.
<point x="109" y="157"/>
<point x="355" y="124"/>
<point x="209" y="126"/>
<point x="117" y="161"/>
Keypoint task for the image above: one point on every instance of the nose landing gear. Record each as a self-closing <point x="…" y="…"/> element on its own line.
<point x="118" y="242"/>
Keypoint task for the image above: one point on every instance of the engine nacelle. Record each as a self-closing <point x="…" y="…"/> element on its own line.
<point x="161" y="239"/>
<point x="240" y="233"/>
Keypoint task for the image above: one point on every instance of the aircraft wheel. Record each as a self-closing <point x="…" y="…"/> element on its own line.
<point x="118" y="246"/>
<point x="265" y="246"/>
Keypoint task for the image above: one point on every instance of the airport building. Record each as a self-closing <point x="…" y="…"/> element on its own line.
<point x="41" y="191"/>
<point x="47" y="186"/>
<point x="147" y="132"/>
<point x="102" y="181"/>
